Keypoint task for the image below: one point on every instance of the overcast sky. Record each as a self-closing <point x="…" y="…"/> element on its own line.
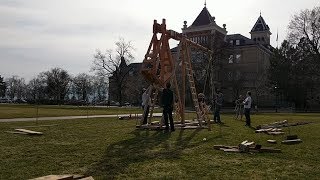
<point x="37" y="35"/>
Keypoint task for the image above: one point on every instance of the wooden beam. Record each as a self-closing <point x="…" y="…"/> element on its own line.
<point x="29" y="132"/>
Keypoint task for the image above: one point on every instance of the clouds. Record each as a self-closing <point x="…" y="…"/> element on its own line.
<point x="39" y="34"/>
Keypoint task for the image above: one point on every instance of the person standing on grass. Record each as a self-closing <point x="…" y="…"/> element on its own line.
<point x="218" y="105"/>
<point x="167" y="104"/>
<point x="247" y="106"/>
<point x="239" y="109"/>
<point x="145" y="104"/>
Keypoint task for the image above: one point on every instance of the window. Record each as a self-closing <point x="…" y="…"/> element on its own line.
<point x="262" y="38"/>
<point x="231" y="42"/>
<point x="258" y="39"/>
<point x="255" y="39"/>
<point x="238" y="58"/>
<point x="230" y="76"/>
<point x="237" y="42"/>
<point x="230" y="59"/>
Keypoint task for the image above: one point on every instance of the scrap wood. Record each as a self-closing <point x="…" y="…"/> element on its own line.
<point x="275" y="133"/>
<point x="29" y="132"/>
<point x="272" y="141"/>
<point x="281" y="124"/>
<point x="223" y="146"/>
<point x="268" y="130"/>
<point x="64" y="177"/>
<point x="55" y="177"/>
<point x="293" y="141"/>
<point x="230" y="150"/>
<point x="15" y="132"/>
<point x="246" y="147"/>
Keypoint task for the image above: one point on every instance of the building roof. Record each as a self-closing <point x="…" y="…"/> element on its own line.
<point x="243" y="40"/>
<point x="260" y="25"/>
<point x="204" y="18"/>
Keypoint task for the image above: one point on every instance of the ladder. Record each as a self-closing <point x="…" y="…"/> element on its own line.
<point x="154" y="96"/>
<point x="177" y="111"/>
<point x="193" y="90"/>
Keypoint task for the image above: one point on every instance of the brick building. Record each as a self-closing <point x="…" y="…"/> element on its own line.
<point x="241" y="63"/>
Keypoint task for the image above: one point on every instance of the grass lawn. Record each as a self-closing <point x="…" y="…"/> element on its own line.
<point x="114" y="149"/>
<point x="28" y="111"/>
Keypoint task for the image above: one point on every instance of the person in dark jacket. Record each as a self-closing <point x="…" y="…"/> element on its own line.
<point x="167" y="104"/>
<point x="218" y="105"/>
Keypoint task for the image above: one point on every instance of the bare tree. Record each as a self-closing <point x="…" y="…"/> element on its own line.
<point x="57" y="84"/>
<point x="100" y="88"/>
<point x="36" y="89"/>
<point x="306" y="25"/>
<point x="114" y="65"/>
<point x="2" y="87"/>
<point x="16" y="87"/>
<point x="83" y="85"/>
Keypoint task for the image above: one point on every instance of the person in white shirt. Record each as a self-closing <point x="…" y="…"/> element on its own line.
<point x="145" y="104"/>
<point x="247" y="106"/>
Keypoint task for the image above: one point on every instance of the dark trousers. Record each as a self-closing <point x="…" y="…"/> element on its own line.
<point x="167" y="111"/>
<point x="145" y="119"/>
<point x="216" y="116"/>
<point x="247" y="114"/>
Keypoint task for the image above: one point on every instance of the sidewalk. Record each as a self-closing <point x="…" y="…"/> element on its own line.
<point x="71" y="117"/>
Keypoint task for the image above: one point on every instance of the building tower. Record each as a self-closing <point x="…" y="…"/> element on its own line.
<point x="260" y="33"/>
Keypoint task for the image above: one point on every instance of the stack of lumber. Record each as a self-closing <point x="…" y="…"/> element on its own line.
<point x="246" y="147"/>
<point x="271" y="131"/>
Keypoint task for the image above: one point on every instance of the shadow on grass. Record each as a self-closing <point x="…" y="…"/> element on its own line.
<point x="145" y="146"/>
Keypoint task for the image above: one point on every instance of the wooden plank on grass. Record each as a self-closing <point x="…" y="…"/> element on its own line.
<point x="15" y="132"/>
<point x="55" y="177"/>
<point x="29" y="131"/>
<point x="293" y="141"/>
<point x="275" y="133"/>
<point x="224" y="146"/>
<point x="272" y="141"/>
<point x="230" y="150"/>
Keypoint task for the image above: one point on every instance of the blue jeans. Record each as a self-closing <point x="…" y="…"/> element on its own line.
<point x="216" y="116"/>
<point x="167" y="111"/>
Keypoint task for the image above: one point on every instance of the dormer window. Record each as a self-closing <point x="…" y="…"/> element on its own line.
<point x="237" y="42"/>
